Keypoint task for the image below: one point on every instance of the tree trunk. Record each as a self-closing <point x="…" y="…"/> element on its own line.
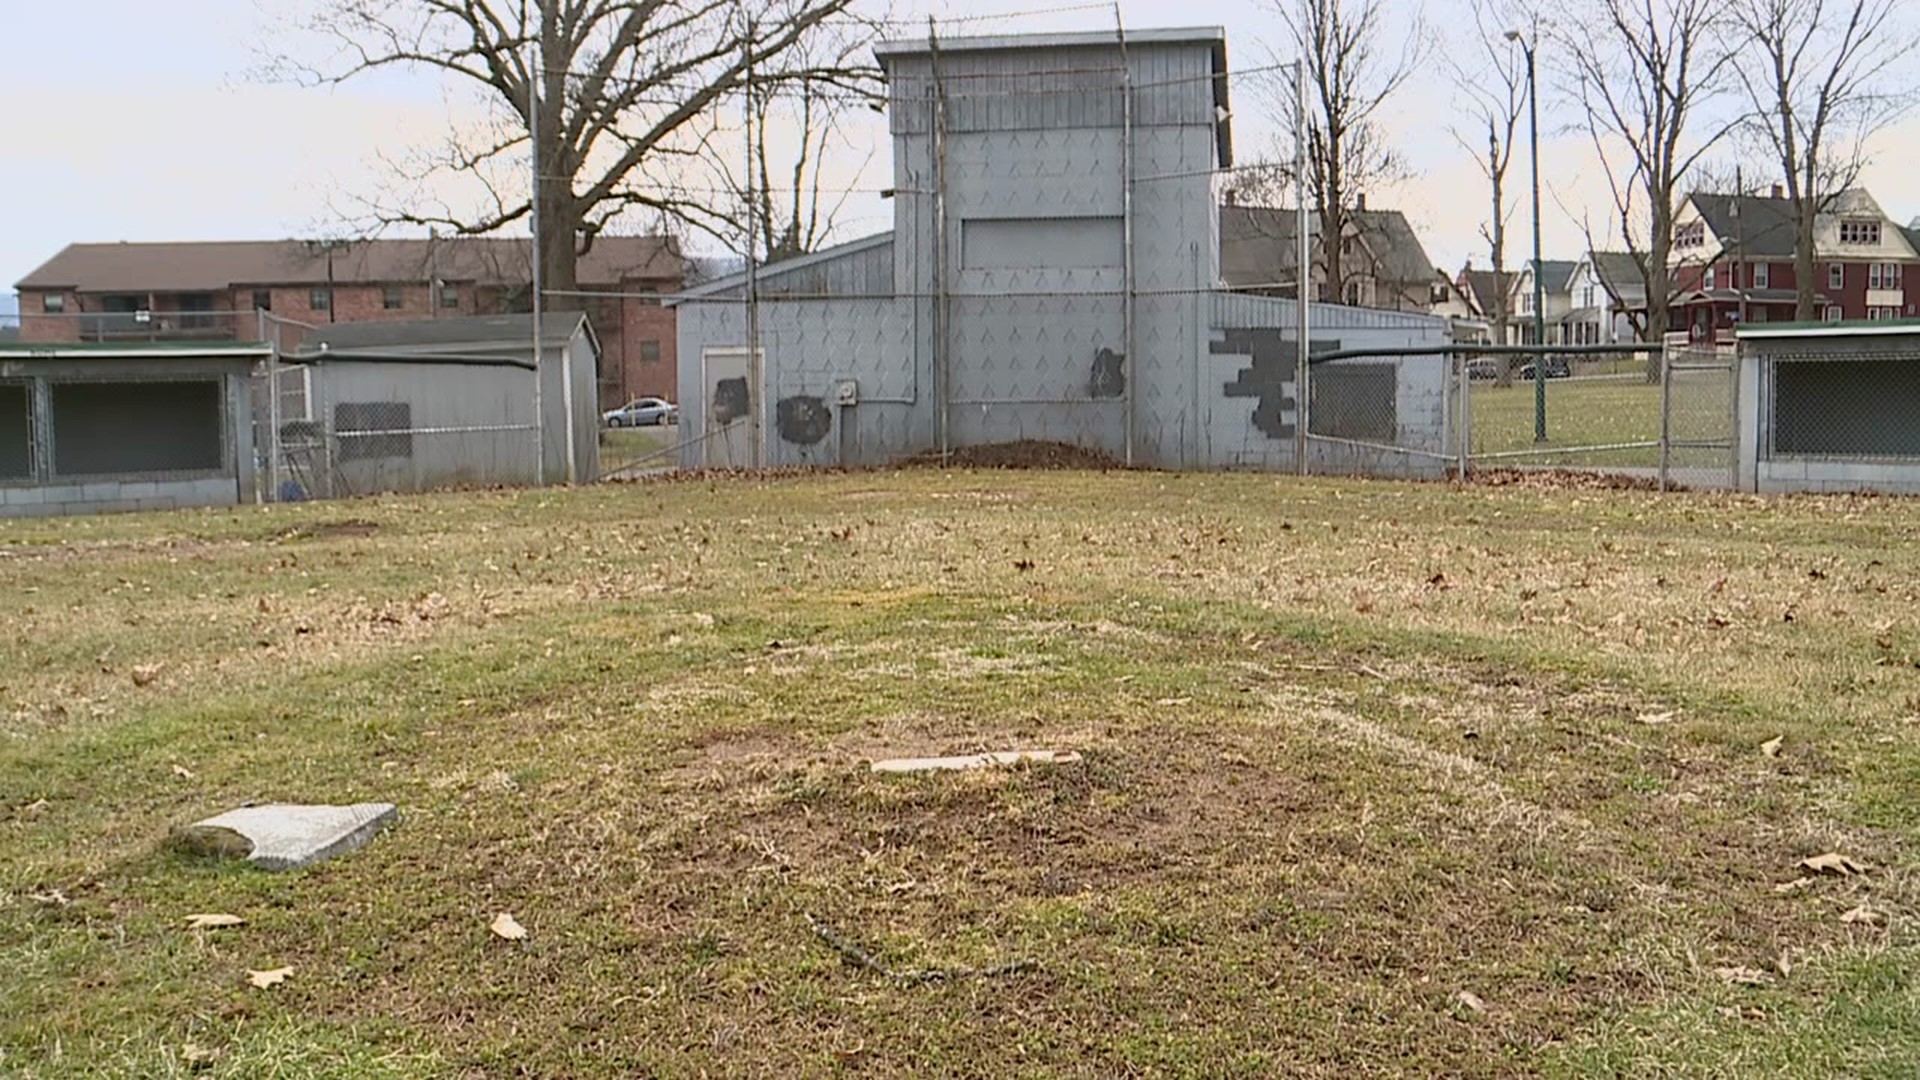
<point x="1503" y="366"/>
<point x="1659" y="287"/>
<point x="1804" y="266"/>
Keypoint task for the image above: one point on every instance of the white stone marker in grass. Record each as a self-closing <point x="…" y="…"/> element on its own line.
<point x="282" y="836"/>
<point x="976" y="761"/>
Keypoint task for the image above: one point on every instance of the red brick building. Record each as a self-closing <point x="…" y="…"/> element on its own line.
<point x="1733" y="262"/>
<point x="216" y="291"/>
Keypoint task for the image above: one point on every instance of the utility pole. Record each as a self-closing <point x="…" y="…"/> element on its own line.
<point x="533" y="217"/>
<point x="1303" y="265"/>
<point x="1539" y="268"/>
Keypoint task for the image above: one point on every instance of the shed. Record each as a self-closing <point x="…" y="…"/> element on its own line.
<point x="87" y="428"/>
<point x="439" y="403"/>
<point x="1830" y="406"/>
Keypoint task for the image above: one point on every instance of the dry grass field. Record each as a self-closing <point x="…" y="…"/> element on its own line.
<point x="1376" y="779"/>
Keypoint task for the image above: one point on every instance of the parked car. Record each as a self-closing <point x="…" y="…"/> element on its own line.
<point x="643" y="412"/>
<point x="1483" y="368"/>
<point x="1556" y="369"/>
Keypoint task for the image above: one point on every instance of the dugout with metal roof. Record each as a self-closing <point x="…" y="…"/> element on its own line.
<point x="90" y="428"/>
<point x="1830" y="406"/>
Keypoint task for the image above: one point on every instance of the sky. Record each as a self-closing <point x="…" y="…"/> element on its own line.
<point x="149" y="126"/>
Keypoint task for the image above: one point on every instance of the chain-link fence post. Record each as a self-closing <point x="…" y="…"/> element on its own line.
<point x="1666" y="416"/>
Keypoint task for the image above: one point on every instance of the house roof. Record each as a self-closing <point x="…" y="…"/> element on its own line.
<point x="1213" y="37"/>
<point x="1483" y="286"/>
<point x="1618" y="270"/>
<point x="1554" y="274"/>
<point x="1755" y="224"/>
<point x="1256" y="245"/>
<point x="426" y="337"/>
<point x="209" y="266"/>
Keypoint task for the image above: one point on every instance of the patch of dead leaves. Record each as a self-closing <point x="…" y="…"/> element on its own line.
<point x="1833" y="863"/>
<point x="1743" y="976"/>
<point x="1864" y="916"/>
<point x="272" y="977"/>
<point x="213" y="921"/>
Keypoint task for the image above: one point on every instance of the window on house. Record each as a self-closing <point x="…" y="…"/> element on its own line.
<point x="1833" y="313"/>
<point x="263" y="299"/>
<point x="1706" y="279"/>
<point x="53" y="303"/>
<point x="1760" y="275"/>
<point x="1883" y="276"/>
<point x="1836" y="276"/>
<point x="449" y="295"/>
<point x="649" y="352"/>
<point x="320" y="299"/>
<point x="1692" y="234"/>
<point x="391" y="298"/>
<point x="368" y="430"/>
<point x="1860" y="231"/>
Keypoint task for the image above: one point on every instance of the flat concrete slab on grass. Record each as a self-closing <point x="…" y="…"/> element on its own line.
<point x="976" y="761"/>
<point x="283" y="836"/>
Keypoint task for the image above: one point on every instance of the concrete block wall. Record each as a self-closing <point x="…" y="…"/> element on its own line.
<point x="110" y="496"/>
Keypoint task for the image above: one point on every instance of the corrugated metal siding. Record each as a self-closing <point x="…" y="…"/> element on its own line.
<point x="1015" y="90"/>
<point x="864" y="269"/>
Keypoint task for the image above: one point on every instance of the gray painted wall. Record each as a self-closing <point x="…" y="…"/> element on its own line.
<point x="458" y="399"/>
<point x="1037" y="334"/>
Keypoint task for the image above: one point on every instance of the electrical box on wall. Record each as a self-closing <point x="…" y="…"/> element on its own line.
<point x="846" y="392"/>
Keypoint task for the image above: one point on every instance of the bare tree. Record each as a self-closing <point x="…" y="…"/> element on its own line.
<point x="1818" y="75"/>
<point x="1351" y="70"/>
<point x="799" y="131"/>
<point x="1644" y="73"/>
<point x="625" y="93"/>
<point x="1493" y="78"/>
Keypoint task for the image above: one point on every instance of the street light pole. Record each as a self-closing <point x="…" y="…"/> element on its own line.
<point x="1539" y="282"/>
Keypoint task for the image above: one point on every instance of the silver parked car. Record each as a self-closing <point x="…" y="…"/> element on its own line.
<point x="643" y="412"/>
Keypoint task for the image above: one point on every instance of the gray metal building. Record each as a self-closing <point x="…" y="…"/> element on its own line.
<point x="1829" y="407"/>
<point x="88" y="428"/>
<point x="1053" y="273"/>
<point x="437" y="403"/>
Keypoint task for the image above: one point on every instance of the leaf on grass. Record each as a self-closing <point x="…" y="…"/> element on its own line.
<point x="264" y="979"/>
<point x="1470" y="1001"/>
<point x="1864" y="916"/>
<point x="183" y="772"/>
<point x="508" y="927"/>
<point x="213" y="921"/>
<point x="1793" y="886"/>
<point x="198" y="1057"/>
<point x="52" y="898"/>
<point x="1771" y="747"/>
<point x="145" y="675"/>
<point x="1656" y="718"/>
<point x="1743" y="976"/>
<point x="35" y="806"/>
<point x="1833" y="863"/>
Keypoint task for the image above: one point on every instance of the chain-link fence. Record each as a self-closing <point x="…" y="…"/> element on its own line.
<point x="1699" y="418"/>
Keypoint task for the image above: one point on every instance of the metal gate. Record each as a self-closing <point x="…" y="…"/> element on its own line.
<point x="1699" y="417"/>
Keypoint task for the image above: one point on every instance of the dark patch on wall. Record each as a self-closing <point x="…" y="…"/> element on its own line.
<point x="16" y="432"/>
<point x="1355" y="401"/>
<point x="1846" y="408"/>
<point x="730" y="400"/>
<point x="108" y="428"/>
<point x="802" y="419"/>
<point x="1109" y="378"/>
<point x="1270" y="378"/>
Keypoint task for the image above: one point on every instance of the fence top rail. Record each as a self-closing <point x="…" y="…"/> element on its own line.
<point x="1459" y="348"/>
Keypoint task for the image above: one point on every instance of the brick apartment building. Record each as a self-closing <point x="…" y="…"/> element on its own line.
<point x="214" y="291"/>
<point x="1733" y="262"/>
